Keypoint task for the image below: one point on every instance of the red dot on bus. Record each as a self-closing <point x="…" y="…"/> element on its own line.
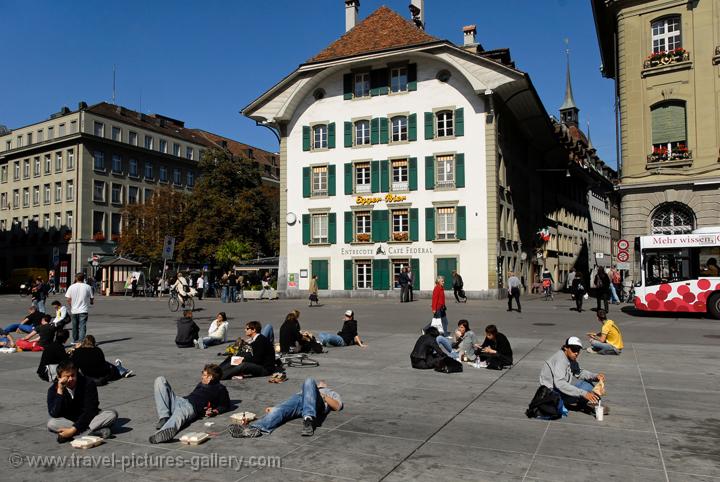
<point x="682" y="289"/>
<point x="699" y="306"/>
<point x="665" y="287"/>
<point x="661" y="295"/>
<point x="670" y="305"/>
<point x="683" y="308"/>
<point x="702" y="296"/>
<point x="653" y="304"/>
<point x="688" y="297"/>
<point x="704" y="284"/>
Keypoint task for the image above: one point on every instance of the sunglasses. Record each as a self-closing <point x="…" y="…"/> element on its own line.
<point x="575" y="349"/>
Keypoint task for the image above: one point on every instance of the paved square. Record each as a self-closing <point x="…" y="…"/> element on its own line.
<point x="398" y="423"/>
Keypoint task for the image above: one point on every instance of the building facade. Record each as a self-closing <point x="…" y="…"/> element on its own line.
<point x="664" y="57"/>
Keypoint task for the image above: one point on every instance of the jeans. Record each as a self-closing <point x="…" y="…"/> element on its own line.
<point x="446" y="347"/>
<point x="40" y="305"/>
<point x="79" y="326"/>
<point x="579" y="298"/>
<point x="267" y="332"/>
<point x="613" y="294"/>
<point x="103" y="419"/>
<point x="603" y="297"/>
<point x="207" y="341"/>
<point x="328" y="339"/>
<point x="178" y="410"/>
<point x="232" y="295"/>
<point x="514" y="293"/>
<point x="404" y="292"/>
<point x="578" y="401"/>
<point x="604" y="348"/>
<point x="12" y="328"/>
<point x="307" y="403"/>
<point x="224" y="294"/>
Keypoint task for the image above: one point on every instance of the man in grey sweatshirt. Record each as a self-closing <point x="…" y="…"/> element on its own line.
<point x="562" y="373"/>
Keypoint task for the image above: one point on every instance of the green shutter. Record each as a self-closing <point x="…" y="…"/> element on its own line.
<point x="331" y="180"/>
<point x="429" y="172"/>
<point x="429" y="224"/>
<point x="413" y="224"/>
<point x="459" y="170"/>
<point x="379" y="82"/>
<point x="348" y="133"/>
<point x="412" y="127"/>
<point x="348" y="86"/>
<point x="306" y="182"/>
<point x="459" y="122"/>
<point x="461" y="232"/>
<point x="380" y="227"/>
<point x="348" y="274"/>
<point x="445" y="267"/>
<point x="429" y="125"/>
<point x="380" y="274"/>
<point x="384" y="176"/>
<point x="348" y="226"/>
<point x="412" y="77"/>
<point x="375" y="176"/>
<point x="332" y="228"/>
<point x="415" y="267"/>
<point x="306" y="228"/>
<point x="306" y="138"/>
<point x="375" y="130"/>
<point x="348" y="178"/>
<point x="331" y="135"/>
<point x="383" y="130"/>
<point x="669" y="123"/>
<point x="319" y="267"/>
<point x="412" y="174"/>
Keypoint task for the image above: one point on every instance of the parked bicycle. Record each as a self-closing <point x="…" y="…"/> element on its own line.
<point x="175" y="303"/>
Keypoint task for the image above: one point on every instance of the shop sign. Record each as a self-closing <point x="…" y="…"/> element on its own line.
<point x="389" y="198"/>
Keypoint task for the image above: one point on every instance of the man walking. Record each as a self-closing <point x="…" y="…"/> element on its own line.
<point x="410" y="283"/>
<point x="403" y="280"/>
<point x="458" y="286"/>
<point x="602" y="288"/>
<point x="200" y="286"/>
<point x="232" y="287"/>
<point x="79" y="298"/>
<point x="513" y="284"/>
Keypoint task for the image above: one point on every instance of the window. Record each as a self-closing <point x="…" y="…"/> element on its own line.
<point x="189" y="153"/>
<point x="99" y="161"/>
<point x="362" y="133"/>
<point x="399" y="128"/>
<point x="163" y="174"/>
<point x="40" y="135"/>
<point x="362" y="177"/>
<point x="319" y="228"/>
<point x="363" y="274"/>
<point x="666" y="265"/>
<point x="70" y="160"/>
<point x="176" y="149"/>
<point x="3" y="173"/>
<point x="46" y="194"/>
<point x="445" y="223"/>
<point x="398" y="79"/>
<point x="320" y="136"/>
<point x="16" y="198"/>
<point x="666" y="34"/>
<point x="116" y="194"/>
<point x="362" y="84"/>
<point x="58" y="192"/>
<point x="400" y="175"/>
<point x="99" y="191"/>
<point x="673" y="218"/>
<point x="69" y="219"/>
<point x="148" y="142"/>
<point x="132" y="138"/>
<point x="3" y="200"/>
<point x="445" y="171"/>
<point x="116" y="164"/>
<point x="58" y="221"/>
<point x="48" y="162"/>
<point x="19" y="141"/>
<point x="115" y="219"/>
<point x="25" y="222"/>
<point x="58" y="162"/>
<point x="444" y="123"/>
<point x="132" y="195"/>
<point x="61" y="130"/>
<point x="400" y="225"/>
<point x="98" y="223"/>
<point x="177" y="176"/>
<point x="36" y="166"/>
<point x="190" y="178"/>
<point x="320" y="181"/>
<point x="116" y="134"/>
<point x="148" y="170"/>
<point x="133" y="168"/>
<point x="16" y="171"/>
<point x="8" y="145"/>
<point x="669" y="132"/>
<point x="69" y="190"/>
<point x="147" y="196"/>
<point x="29" y="138"/>
<point x="51" y="132"/>
<point x="46" y="221"/>
<point x="26" y="169"/>
<point x="73" y="127"/>
<point x="163" y="146"/>
<point x="99" y="129"/>
<point x="36" y="195"/>
<point x="363" y="227"/>
<point x="26" y="197"/>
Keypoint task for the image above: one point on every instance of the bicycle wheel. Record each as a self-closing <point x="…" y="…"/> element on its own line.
<point x="189" y="304"/>
<point x="173" y="304"/>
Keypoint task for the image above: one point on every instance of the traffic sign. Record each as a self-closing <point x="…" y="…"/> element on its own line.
<point x="623" y="256"/>
<point x="168" y="247"/>
<point x="95" y="258"/>
<point x="599" y="255"/>
<point x="623" y="244"/>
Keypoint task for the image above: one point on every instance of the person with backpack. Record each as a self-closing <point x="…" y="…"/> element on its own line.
<point x="458" y="286"/>
<point x="578" y="289"/>
<point x="602" y="288"/>
<point x="426" y="353"/>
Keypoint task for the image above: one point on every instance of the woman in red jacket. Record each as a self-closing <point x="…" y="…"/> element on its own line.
<point x="438" y="303"/>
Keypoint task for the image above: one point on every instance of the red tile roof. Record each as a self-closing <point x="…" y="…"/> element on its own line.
<point x="383" y="29"/>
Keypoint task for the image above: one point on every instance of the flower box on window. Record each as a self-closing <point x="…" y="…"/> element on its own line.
<point x="363" y="237"/>
<point x="99" y="236"/>
<point x="401" y="236"/>
<point x="115" y="237"/>
<point x="661" y="58"/>
<point x="662" y="154"/>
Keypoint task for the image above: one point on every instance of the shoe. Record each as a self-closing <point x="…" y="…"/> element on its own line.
<point x="128" y="374"/>
<point x="118" y="363"/>
<point x="160" y="423"/>
<point x="590" y="408"/>
<point x="482" y="364"/>
<point x="308" y="430"/>
<point x="195" y="343"/>
<point x="163" y="436"/>
<point x="590" y="350"/>
<point x="62" y="440"/>
<point x="103" y="433"/>
<point x="246" y="432"/>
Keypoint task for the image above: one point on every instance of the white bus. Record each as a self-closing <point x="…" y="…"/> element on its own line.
<point x="679" y="273"/>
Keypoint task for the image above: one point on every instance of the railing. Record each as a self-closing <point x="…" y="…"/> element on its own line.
<point x="362" y="188"/>
<point x="400" y="186"/>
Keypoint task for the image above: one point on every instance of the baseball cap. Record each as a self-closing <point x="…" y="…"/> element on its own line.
<point x="573" y="341"/>
<point x="349" y="313"/>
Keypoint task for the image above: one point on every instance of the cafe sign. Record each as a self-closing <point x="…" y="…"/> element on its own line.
<point x="389" y="198"/>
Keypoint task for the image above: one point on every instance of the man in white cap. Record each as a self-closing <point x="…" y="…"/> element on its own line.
<point x="562" y="373"/>
<point x="347" y="336"/>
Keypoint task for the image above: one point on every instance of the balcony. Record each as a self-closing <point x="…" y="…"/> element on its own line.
<point x="400" y="186"/>
<point x="362" y="237"/>
<point x="400" y="236"/>
<point x="662" y="157"/>
<point x="362" y="188"/>
<point x="662" y="62"/>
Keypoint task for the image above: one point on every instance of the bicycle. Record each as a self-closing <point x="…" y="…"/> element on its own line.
<point x="547" y="290"/>
<point x="174" y="302"/>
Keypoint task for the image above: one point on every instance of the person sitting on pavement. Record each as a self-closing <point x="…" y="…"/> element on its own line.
<point x="562" y="373"/>
<point x="187" y="331"/>
<point x="52" y="356"/>
<point x="40" y="337"/>
<point x="73" y="406"/>
<point x="258" y="361"/>
<point x="217" y="332"/>
<point x="312" y="404"/>
<point x="462" y="347"/>
<point x="208" y="398"/>
<point x="427" y="353"/>
<point x="609" y="341"/>
<point x="27" y="324"/>
<point x="495" y="351"/>
<point x="90" y="361"/>
<point x="291" y="338"/>
<point x="62" y="317"/>
<point x="347" y="336"/>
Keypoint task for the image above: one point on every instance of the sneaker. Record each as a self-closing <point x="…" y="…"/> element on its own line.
<point x="103" y="433"/>
<point x="590" y="350"/>
<point x="161" y="422"/>
<point x="62" y="440"/>
<point x="163" y="436"/>
<point x="127" y="373"/>
<point x="308" y="430"/>
<point x="118" y="363"/>
<point x="195" y="343"/>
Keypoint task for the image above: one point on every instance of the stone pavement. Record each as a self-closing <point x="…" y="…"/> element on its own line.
<point x="398" y="423"/>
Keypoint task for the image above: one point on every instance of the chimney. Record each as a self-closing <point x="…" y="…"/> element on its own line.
<point x="469" y="33"/>
<point x="351" y="13"/>
<point x="417" y="10"/>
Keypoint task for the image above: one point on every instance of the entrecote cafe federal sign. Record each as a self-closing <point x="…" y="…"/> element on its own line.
<point x="383" y="250"/>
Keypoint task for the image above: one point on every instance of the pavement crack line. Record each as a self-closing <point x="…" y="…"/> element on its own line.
<point x="652" y="420"/>
<point x="427" y="439"/>
<point x="532" y="461"/>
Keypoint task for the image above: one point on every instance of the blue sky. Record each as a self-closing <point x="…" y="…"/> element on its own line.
<point x="202" y="61"/>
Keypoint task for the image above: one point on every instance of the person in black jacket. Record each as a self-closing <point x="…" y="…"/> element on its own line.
<point x="458" y="284"/>
<point x="209" y="398"/>
<point x="90" y="360"/>
<point x="495" y="351"/>
<point x="404" y="281"/>
<point x="259" y="360"/>
<point x="74" y="407"/>
<point x="52" y="356"/>
<point x="427" y="353"/>
<point x="187" y="331"/>
<point x="347" y="336"/>
<point x="291" y="338"/>
<point x="578" y="291"/>
<point x="602" y="288"/>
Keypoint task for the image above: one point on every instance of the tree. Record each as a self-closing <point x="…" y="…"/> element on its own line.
<point x="232" y="251"/>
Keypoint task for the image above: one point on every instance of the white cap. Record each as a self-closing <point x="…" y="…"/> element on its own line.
<point x="573" y="341"/>
<point x="349" y="313"/>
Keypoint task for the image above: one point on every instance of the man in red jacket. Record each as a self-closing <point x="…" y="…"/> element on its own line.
<point x="438" y="303"/>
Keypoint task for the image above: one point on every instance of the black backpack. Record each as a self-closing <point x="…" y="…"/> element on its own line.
<point x="545" y="404"/>
<point x="449" y="365"/>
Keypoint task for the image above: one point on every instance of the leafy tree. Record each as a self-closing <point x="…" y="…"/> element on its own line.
<point x="232" y="251"/>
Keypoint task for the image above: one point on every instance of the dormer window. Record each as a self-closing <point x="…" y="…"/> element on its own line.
<point x="361" y="84"/>
<point x="398" y="79"/>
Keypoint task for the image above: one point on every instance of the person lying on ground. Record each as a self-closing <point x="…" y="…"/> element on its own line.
<point x="495" y="351"/>
<point x="258" y="361"/>
<point x="217" y="332"/>
<point x="427" y="353"/>
<point x="27" y="324"/>
<point x="187" y="331"/>
<point x="609" y="341"/>
<point x="208" y="398"/>
<point x="74" y="407"/>
<point x="462" y="347"/>
<point x="52" y="356"/>
<point x="347" y="336"/>
<point x="40" y="337"/>
<point x="6" y="340"/>
<point x="90" y="360"/>
<point x="312" y="404"/>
